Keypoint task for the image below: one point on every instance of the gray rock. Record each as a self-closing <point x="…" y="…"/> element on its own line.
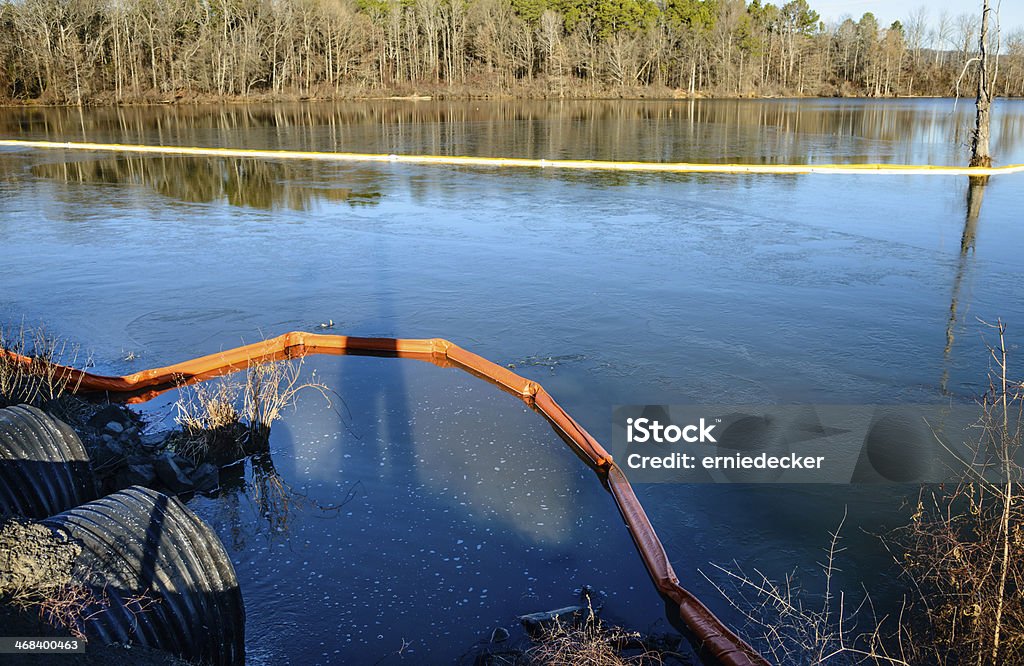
<point x="184" y="463"/>
<point x="136" y="475"/>
<point x="106" y="455"/>
<point x="109" y="414"/>
<point x="153" y="440"/>
<point x="115" y="427"/>
<point x="206" y="477"/>
<point x="569" y="616"/>
<point x="171" y="474"/>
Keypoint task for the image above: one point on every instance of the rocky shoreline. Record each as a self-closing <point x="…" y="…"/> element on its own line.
<point x="125" y="453"/>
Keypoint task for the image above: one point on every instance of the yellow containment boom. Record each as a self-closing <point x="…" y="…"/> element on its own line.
<point x="516" y="162"/>
<point x="711" y="634"/>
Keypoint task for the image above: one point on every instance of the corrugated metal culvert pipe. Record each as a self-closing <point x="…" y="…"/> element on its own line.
<point x="168" y="580"/>
<point x="161" y="577"/>
<point x="44" y="469"/>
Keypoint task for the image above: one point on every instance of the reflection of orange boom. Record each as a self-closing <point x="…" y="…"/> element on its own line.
<point x="715" y="637"/>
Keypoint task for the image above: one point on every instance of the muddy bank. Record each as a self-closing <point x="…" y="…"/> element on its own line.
<point x="34" y="557"/>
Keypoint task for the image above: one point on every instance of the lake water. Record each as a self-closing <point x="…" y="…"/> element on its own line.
<point x="606" y="288"/>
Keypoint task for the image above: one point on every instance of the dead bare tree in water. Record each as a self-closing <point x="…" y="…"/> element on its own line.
<point x="980" y="156"/>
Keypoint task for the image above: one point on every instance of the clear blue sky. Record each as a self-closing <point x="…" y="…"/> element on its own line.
<point x="1011" y="12"/>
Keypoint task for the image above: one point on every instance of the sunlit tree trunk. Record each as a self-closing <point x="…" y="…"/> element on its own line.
<point x="979" y="145"/>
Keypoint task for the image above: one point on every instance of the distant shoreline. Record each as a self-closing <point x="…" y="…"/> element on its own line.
<point x="460" y="95"/>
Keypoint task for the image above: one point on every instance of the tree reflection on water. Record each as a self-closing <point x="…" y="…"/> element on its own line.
<point x="261" y="184"/>
<point x="975" y="195"/>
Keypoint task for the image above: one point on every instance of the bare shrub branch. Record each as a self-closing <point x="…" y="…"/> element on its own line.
<point x="964" y="544"/>
<point x="800" y="628"/>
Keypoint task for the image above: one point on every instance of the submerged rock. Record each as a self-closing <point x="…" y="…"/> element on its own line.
<point x="206" y="477"/>
<point x="136" y="475"/>
<point x="570" y="615"/>
<point x="170" y="469"/>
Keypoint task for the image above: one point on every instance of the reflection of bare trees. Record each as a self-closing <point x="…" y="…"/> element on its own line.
<point x="248" y="183"/>
<point x="975" y="194"/>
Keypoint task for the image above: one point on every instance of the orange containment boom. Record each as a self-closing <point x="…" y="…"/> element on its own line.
<point x="711" y="634"/>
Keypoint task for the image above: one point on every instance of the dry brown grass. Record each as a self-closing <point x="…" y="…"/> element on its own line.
<point x="209" y="419"/>
<point x="36" y="575"/>
<point x="225" y="418"/>
<point x="589" y="643"/>
<point x="65" y="607"/>
<point x="69" y="606"/>
<point x="40" y="382"/>
<point x="209" y="407"/>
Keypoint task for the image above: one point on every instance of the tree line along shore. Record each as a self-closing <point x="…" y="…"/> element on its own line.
<point x="94" y="52"/>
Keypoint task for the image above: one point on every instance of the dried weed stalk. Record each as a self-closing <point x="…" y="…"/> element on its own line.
<point x="269" y="389"/>
<point x="42" y="380"/>
<point x="589" y="643"/>
<point x="209" y="419"/>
